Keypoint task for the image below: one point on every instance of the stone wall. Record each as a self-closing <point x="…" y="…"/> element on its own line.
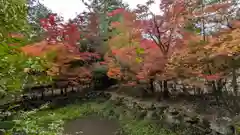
<point x="177" y="116"/>
<point x="177" y="87"/>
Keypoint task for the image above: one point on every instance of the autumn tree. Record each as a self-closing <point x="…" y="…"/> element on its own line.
<point x="171" y="33"/>
<point x="215" y="51"/>
<point x="166" y="30"/>
<point x="125" y="39"/>
<point x="94" y="23"/>
<point x="131" y="58"/>
<point x="63" y="38"/>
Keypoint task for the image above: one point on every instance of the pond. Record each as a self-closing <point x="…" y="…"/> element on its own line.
<point x="91" y="126"/>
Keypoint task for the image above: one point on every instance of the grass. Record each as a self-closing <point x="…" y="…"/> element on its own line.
<point x="45" y="121"/>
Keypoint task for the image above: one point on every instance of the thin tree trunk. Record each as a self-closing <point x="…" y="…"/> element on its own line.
<point x="234" y="82"/>
<point x="72" y="89"/>
<point x="42" y="94"/>
<point x="166" y="93"/>
<point x="52" y="92"/>
<point x="65" y="91"/>
<point x="61" y="91"/>
<point x="151" y="85"/>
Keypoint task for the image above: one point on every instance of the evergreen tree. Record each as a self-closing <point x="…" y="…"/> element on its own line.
<point x="36" y="11"/>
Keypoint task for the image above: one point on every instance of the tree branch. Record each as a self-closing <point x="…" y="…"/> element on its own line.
<point x="160" y="44"/>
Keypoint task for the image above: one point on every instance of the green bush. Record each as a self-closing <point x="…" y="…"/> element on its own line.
<point x="13" y="17"/>
<point x="13" y="64"/>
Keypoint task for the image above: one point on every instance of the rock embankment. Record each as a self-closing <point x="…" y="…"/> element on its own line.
<point x="174" y="116"/>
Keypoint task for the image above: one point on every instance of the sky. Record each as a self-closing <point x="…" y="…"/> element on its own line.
<point x="69" y="8"/>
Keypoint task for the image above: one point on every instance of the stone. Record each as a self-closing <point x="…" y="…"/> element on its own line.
<point x="174" y="115"/>
<point x="205" y="122"/>
<point x="150" y="115"/>
<point x="151" y="107"/>
<point x="169" y="119"/>
<point x="162" y="107"/>
<point x="118" y="101"/>
<point x="129" y="114"/>
<point x="138" y="107"/>
<point x="173" y="111"/>
<point x="131" y="105"/>
<point x="222" y="126"/>
<point x="141" y="114"/>
<point x="191" y="120"/>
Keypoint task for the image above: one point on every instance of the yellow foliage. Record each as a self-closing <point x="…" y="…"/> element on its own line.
<point x="227" y="44"/>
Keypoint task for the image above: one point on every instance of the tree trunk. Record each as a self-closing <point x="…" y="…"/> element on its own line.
<point x="234" y="82"/>
<point x="151" y="85"/>
<point x="62" y="91"/>
<point x="72" y="88"/>
<point x="235" y="90"/>
<point x="52" y="92"/>
<point x="65" y="91"/>
<point x="42" y="94"/>
<point x="166" y="93"/>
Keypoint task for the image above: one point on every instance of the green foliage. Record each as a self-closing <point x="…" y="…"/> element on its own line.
<point x="100" y="77"/>
<point x="42" y="125"/>
<point x="46" y="122"/>
<point x="237" y="126"/>
<point x="19" y="42"/>
<point x="109" y="6"/>
<point x="13" y="17"/>
<point x="100" y="71"/>
<point x="13" y="63"/>
<point x="6" y="125"/>
<point x="130" y="124"/>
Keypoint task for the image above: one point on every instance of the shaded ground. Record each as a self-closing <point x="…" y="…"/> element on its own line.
<point x="77" y="118"/>
<point x="91" y="126"/>
<point x="203" y="105"/>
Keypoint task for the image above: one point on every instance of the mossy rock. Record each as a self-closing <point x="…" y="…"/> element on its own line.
<point x="236" y="123"/>
<point x="141" y="114"/>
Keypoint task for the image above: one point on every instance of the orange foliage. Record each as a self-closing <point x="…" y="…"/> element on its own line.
<point x="129" y="31"/>
<point x="210" y="60"/>
<point x="60" y="64"/>
<point x="125" y="66"/>
<point x="114" y="73"/>
<point x="216" y="7"/>
<point x="37" y="49"/>
<point x="42" y="48"/>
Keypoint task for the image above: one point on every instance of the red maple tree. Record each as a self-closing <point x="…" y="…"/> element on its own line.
<point x="62" y="39"/>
